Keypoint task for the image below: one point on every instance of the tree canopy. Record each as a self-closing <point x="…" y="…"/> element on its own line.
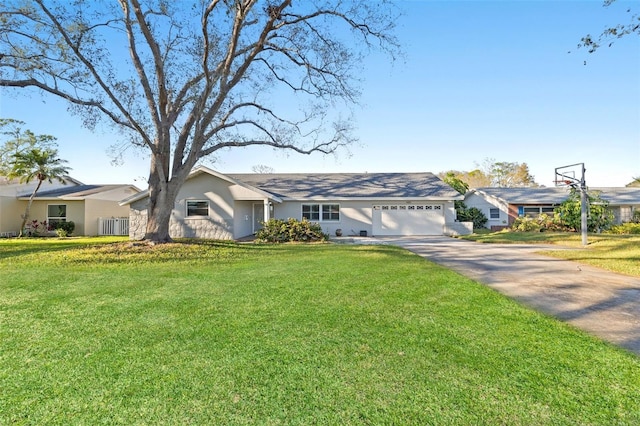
<point x="187" y="79"/>
<point x="41" y="165"/>
<point x="599" y="216"/>
<point x="609" y="35"/>
<point x="491" y="173"/>
<point x="18" y="141"/>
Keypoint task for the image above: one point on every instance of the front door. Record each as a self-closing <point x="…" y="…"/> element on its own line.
<point x="258" y="217"/>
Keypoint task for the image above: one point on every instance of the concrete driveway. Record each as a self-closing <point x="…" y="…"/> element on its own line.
<point x="602" y="303"/>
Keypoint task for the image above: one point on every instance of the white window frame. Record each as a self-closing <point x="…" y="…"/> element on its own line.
<point x="491" y="216"/>
<point x="312" y="213"/>
<point x="186" y="208"/>
<point x="57" y="219"/>
<point x="321" y="212"/>
<point x="538" y="212"/>
<point x="329" y="212"/>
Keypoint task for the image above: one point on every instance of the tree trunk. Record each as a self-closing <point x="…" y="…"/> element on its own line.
<point x="158" y="218"/>
<point x="27" y="211"/>
<point x="162" y="198"/>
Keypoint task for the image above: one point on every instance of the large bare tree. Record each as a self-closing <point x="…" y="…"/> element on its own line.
<point x="185" y="79"/>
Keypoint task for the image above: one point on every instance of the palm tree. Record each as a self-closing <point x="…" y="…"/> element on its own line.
<point x="40" y="164"/>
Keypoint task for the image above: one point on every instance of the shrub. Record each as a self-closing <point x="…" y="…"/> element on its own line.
<point x="599" y="217"/>
<point x="35" y="228"/>
<point x="540" y="223"/>
<point x="625" y="228"/>
<point x="282" y="231"/>
<point x="64" y="227"/>
<point x="526" y="224"/>
<point x="470" y="214"/>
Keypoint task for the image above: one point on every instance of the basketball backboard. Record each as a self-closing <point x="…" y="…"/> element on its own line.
<point x="571" y="176"/>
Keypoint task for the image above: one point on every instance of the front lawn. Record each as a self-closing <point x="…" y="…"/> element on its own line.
<point x="219" y="333"/>
<point x="617" y="253"/>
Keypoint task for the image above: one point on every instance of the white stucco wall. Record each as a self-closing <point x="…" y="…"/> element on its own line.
<point x="355" y="216"/>
<point x="484" y="204"/>
<point x="39" y="209"/>
<point x="227" y="219"/>
<point x="10" y="214"/>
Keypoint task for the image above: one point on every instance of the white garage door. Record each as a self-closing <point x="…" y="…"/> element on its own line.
<point x="423" y="219"/>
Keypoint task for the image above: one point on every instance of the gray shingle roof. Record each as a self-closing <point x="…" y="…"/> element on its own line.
<point x="553" y="195"/>
<point x="620" y="195"/>
<point x="528" y="195"/>
<point x="350" y="185"/>
<point x="75" y="191"/>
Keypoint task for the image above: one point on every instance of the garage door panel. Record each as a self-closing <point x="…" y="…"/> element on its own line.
<point x="408" y="220"/>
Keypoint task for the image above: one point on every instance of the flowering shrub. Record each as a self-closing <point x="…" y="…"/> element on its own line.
<point x="36" y="228"/>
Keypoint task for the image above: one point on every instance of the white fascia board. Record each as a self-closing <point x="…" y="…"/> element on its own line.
<point x="200" y="170"/>
<point x="378" y="199"/>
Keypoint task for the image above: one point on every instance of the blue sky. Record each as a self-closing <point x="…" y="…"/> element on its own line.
<point x="480" y="79"/>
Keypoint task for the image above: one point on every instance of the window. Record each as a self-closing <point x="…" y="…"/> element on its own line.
<point x="534" y="211"/>
<point x="330" y="212"/>
<point x="494" y="213"/>
<point x="56" y="213"/>
<point x="321" y="212"/>
<point x="311" y="211"/>
<point x="197" y="208"/>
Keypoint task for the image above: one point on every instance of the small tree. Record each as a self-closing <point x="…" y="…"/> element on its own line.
<point x="453" y="180"/>
<point x="37" y="164"/>
<point x="464" y="213"/>
<point x="471" y="214"/>
<point x="600" y="217"/>
<point x="19" y="141"/>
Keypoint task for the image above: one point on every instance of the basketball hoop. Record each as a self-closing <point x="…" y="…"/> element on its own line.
<point x="573" y="176"/>
<point x="564" y="182"/>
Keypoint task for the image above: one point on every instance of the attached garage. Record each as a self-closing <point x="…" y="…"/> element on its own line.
<point x="408" y="219"/>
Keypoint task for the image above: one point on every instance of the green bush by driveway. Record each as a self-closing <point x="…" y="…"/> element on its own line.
<point x="219" y="333"/>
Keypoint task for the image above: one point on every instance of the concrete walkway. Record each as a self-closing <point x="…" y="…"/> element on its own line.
<point x="602" y="303"/>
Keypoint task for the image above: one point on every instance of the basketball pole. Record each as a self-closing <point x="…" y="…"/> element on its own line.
<point x="570" y="179"/>
<point x="583" y="208"/>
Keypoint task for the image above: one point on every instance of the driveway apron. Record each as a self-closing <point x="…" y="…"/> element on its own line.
<point x="602" y="303"/>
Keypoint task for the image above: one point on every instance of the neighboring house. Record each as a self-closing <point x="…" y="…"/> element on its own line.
<point x="503" y="205"/>
<point x="231" y="206"/>
<point x="94" y="209"/>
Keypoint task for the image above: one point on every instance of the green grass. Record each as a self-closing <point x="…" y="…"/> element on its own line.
<point x="219" y="333"/>
<point x="617" y="253"/>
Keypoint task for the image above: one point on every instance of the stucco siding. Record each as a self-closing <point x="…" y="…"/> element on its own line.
<point x="485" y="206"/>
<point x="10" y="214"/>
<point x="225" y="214"/>
<point x="355" y="216"/>
<point x="75" y="212"/>
<point x="244" y="221"/>
<point x="97" y="208"/>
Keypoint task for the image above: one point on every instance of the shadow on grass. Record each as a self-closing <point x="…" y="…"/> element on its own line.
<point x="17" y="247"/>
<point x="94" y="251"/>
